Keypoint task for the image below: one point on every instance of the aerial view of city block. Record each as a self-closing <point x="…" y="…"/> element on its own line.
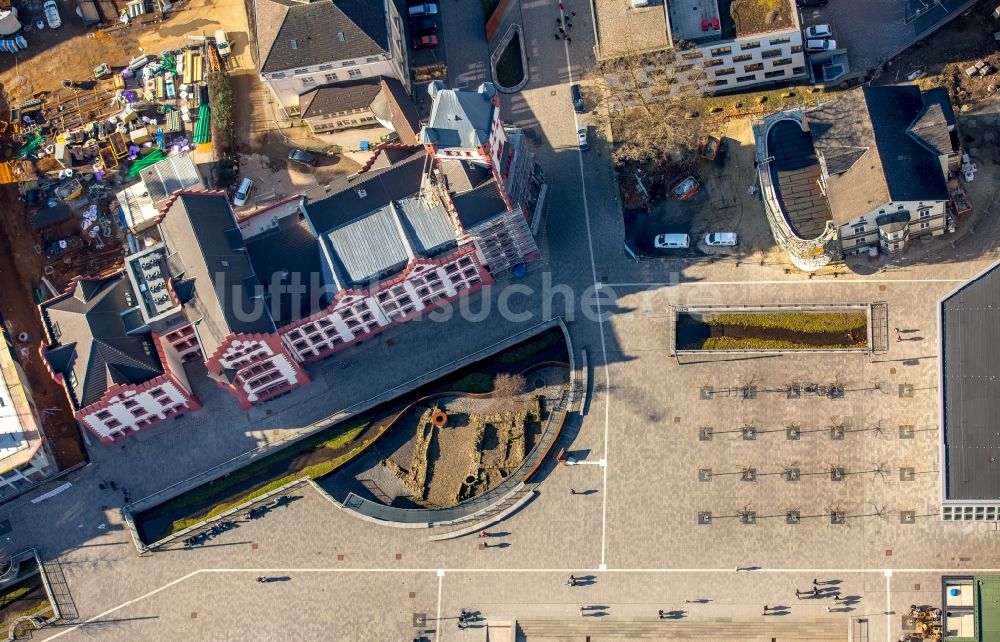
<point x="500" y="320"/>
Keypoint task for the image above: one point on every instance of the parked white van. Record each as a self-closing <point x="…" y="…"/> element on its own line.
<point x="672" y="241"/>
<point x="243" y="193"/>
<point x="222" y="44"/>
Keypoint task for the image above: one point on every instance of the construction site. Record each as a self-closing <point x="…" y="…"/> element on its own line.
<point x="86" y="106"/>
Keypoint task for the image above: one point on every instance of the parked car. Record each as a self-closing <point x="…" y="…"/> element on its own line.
<point x="581" y="136"/>
<point x="672" y="241"/>
<point x="425" y="41"/>
<point x="819" y="31"/>
<point x="721" y="238"/>
<point x="222" y="44"/>
<point x="303" y="157"/>
<point x="686" y="188"/>
<point x="824" y="44"/>
<point x="813" y="3"/>
<point x="423" y="9"/>
<point x="243" y="192"/>
<point x="578" y="106"/>
<point x="422" y="25"/>
<point x="52" y="14"/>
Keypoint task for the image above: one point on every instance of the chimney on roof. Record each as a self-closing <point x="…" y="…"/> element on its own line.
<point x="487" y="90"/>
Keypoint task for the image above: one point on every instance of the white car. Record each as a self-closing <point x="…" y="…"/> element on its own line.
<point x="819" y="31"/>
<point x="821" y="45"/>
<point x="721" y="238"/>
<point x="671" y="241"/>
<point x="52" y="14"/>
<point x="243" y="193"/>
<point x="581" y="135"/>
<point x="425" y="9"/>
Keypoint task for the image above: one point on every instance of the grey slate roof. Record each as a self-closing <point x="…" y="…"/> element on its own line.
<point x="94" y="344"/>
<point x="873" y="155"/>
<point x="970" y="387"/>
<point x="291" y="248"/>
<point x="479" y="204"/>
<point x="459" y="118"/>
<point x="463" y="175"/>
<point x="198" y="229"/>
<point x="169" y="175"/>
<point x="315" y="28"/>
<point x="381" y="186"/>
<point x="341" y="97"/>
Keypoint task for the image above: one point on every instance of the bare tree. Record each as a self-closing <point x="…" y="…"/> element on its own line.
<point x="650" y="100"/>
<point x="506" y="388"/>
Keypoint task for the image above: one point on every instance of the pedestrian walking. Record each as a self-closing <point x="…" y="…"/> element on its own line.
<point x="583" y="610"/>
<point x="660" y="614"/>
<point x="569" y="25"/>
<point x="829" y="610"/>
<point x="572" y="14"/>
<point x="562" y="31"/>
<point x="569" y="40"/>
<point x="815" y="582"/>
<point x="101" y="486"/>
<point x="815" y="591"/>
<point x="557" y="36"/>
<point x="899" y="338"/>
<point x="559" y="21"/>
<point x="562" y="7"/>
<point x="483" y="534"/>
<point x="572" y="491"/>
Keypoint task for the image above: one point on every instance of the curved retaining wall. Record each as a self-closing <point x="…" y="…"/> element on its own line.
<point x="490" y="500"/>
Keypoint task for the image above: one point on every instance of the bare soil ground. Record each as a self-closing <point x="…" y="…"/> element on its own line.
<point x="941" y="59"/>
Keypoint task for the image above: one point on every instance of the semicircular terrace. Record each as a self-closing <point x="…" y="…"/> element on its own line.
<point x="795" y="173"/>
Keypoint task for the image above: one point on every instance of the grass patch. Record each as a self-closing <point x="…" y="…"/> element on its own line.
<point x="731" y="343"/>
<point x="530" y="348"/>
<point x="315" y="471"/>
<point x="15" y="595"/>
<point x="810" y="322"/>
<point x="510" y="71"/>
<point x="37" y="609"/>
<point x="477" y="382"/>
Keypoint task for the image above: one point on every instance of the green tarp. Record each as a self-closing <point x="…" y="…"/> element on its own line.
<point x="203" y="128"/>
<point x="149" y="159"/>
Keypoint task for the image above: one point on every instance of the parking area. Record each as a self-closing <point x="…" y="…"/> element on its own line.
<point x="724" y="203"/>
<point x="887" y="27"/>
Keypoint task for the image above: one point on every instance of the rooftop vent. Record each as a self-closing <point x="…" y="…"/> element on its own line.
<point x="340" y="36"/>
<point x="295" y="43"/>
<point x="362" y="193"/>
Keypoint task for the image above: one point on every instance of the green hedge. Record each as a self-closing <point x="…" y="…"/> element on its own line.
<point x="811" y="322"/>
<point x="729" y="343"/>
<point x="476" y="382"/>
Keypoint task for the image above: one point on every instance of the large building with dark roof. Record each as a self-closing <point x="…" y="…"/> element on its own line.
<point x="303" y="44"/>
<point x="117" y="375"/>
<point x="869" y="169"/>
<point x="969" y="388"/>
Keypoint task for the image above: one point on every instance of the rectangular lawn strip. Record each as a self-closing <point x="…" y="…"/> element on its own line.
<point x="727" y="343"/>
<point x="476" y="382"/>
<point x="796" y="321"/>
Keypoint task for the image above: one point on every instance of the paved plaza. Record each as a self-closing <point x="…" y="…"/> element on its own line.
<point x="648" y="463"/>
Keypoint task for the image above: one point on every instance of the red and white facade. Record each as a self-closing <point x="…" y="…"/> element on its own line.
<point x="355" y="314"/>
<point x="261" y="368"/>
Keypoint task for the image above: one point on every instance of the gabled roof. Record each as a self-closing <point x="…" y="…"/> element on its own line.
<point x="93" y="344"/>
<point x="338" y="98"/>
<point x="294" y="34"/>
<point x="459" y="118"/>
<point x="369" y="191"/>
<point x="289" y="256"/>
<point x="872" y="153"/>
<point x="479" y="204"/>
<point x="204" y="243"/>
